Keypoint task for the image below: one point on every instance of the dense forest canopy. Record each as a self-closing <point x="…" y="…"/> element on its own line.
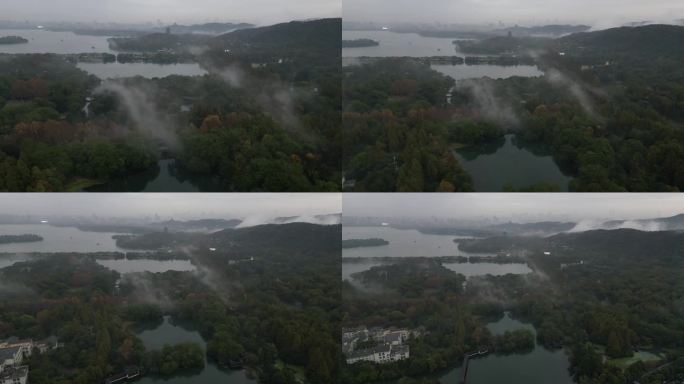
<point x="395" y="125"/>
<point x="608" y="107"/>
<point x="600" y="295"/>
<point x="277" y="314"/>
<point x="265" y="118"/>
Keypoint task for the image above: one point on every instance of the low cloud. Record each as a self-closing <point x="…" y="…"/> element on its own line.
<point x="147" y="291"/>
<point x="640" y="225"/>
<point x="254" y="220"/>
<point x="577" y="90"/>
<point x="489" y="104"/>
<point x="274" y="97"/>
<point x="140" y="105"/>
<point x="9" y="289"/>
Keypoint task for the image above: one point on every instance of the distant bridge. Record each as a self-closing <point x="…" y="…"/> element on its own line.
<point x="466" y="362"/>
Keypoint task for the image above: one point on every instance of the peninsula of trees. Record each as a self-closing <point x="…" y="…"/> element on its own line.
<point x="12" y="40"/>
<point x="358" y="43"/>
<point x="358" y="243"/>
<point x="27" y="238"/>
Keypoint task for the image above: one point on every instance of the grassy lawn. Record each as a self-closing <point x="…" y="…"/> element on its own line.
<point x="77" y="185"/>
<point x="644" y="356"/>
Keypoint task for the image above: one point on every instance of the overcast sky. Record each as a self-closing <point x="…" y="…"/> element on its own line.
<point x="168" y="11"/>
<point x="177" y="205"/>
<point x="601" y="12"/>
<point x="520" y="207"/>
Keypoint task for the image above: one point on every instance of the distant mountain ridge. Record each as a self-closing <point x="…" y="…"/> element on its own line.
<point x="210" y="224"/>
<point x="316" y="33"/>
<point x="294" y="236"/>
<point x="672" y="223"/>
<point x="625" y="243"/>
<point x="603" y="243"/>
<point x="209" y="28"/>
<point x="548" y="30"/>
<point x="542" y="227"/>
<point x="292" y="37"/>
<point x="656" y="39"/>
<point x="511" y="228"/>
<point x="300" y="237"/>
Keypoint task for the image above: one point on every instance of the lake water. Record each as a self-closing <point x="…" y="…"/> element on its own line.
<point x="169" y="333"/>
<point x="460" y="72"/>
<point x="540" y="366"/>
<point x="42" y="41"/>
<point x="146" y="265"/>
<point x="493" y="165"/>
<point x="399" y="44"/>
<point x="411" y="44"/>
<point x="402" y="243"/>
<point x="58" y="239"/>
<point x="466" y="269"/>
<point x="495" y="269"/>
<point x="165" y="177"/>
<point x="147" y="70"/>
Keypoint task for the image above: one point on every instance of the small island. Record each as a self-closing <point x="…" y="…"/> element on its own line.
<point x="27" y="238"/>
<point x="13" y="40"/>
<point x="358" y="243"/>
<point x="358" y="43"/>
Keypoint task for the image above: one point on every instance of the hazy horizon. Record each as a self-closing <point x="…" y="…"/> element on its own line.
<point x="260" y="12"/>
<point x="517" y="207"/>
<point x="598" y="14"/>
<point x="185" y="206"/>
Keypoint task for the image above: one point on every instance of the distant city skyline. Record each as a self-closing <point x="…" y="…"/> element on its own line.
<point x="597" y="13"/>
<point x="178" y="205"/>
<point x="518" y="207"/>
<point x="260" y="12"/>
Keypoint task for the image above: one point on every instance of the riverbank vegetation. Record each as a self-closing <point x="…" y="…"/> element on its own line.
<point x="359" y="43"/>
<point x="13" y="40"/>
<point x="609" y="116"/>
<point x="596" y="295"/>
<point x="275" y="312"/>
<point x="395" y="135"/>
<point x="358" y="243"/>
<point x="27" y="238"/>
<point x="262" y="119"/>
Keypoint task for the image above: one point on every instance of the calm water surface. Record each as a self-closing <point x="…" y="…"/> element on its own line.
<point x="147" y="70"/>
<point x="402" y="243"/>
<point x="58" y="239"/>
<point x="165" y="177"/>
<point x="461" y="72"/>
<point x="146" y="265"/>
<point x="411" y="44"/>
<point x="540" y="366"/>
<point x="494" y="165"/>
<point x="169" y="333"/>
<point x="495" y="269"/>
<point x="42" y="41"/>
<point x="399" y="44"/>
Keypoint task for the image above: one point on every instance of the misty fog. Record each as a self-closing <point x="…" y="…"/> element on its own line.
<point x="519" y="207"/>
<point x="600" y="14"/>
<point x="259" y="12"/>
<point x="256" y="207"/>
<point x="140" y="105"/>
